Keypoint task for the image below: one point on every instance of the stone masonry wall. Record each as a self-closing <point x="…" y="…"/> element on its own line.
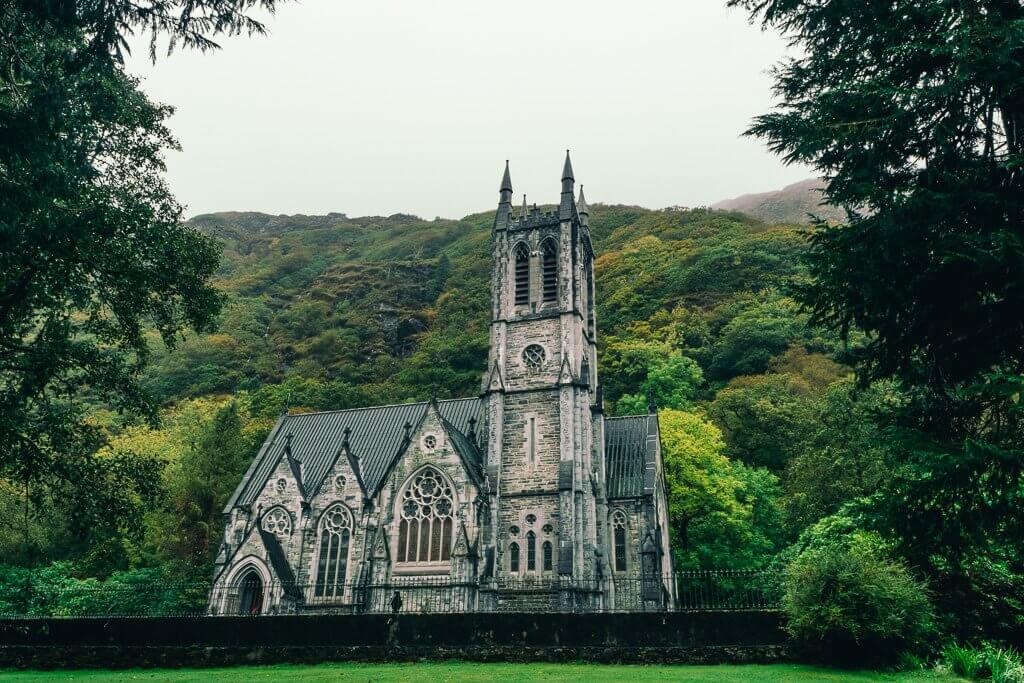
<point x="700" y="637"/>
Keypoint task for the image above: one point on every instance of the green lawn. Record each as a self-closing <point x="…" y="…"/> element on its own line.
<point x="468" y="671"/>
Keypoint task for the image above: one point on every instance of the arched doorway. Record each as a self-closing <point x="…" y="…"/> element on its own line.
<point x="250" y="594"/>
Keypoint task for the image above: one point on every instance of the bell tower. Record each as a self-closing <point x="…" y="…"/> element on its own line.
<point x="545" y="448"/>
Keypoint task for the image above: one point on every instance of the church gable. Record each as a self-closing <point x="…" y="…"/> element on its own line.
<point x="428" y="493"/>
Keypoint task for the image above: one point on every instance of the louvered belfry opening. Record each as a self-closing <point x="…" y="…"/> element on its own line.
<point x="522" y="257"/>
<point x="549" y="270"/>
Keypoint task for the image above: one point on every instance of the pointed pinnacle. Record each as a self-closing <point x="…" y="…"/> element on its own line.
<point x="581" y="204"/>
<point x="567" y="169"/>
<point x="523" y="214"/>
<point x="506" y="180"/>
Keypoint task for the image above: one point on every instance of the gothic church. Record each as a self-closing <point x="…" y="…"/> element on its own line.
<point x="523" y="498"/>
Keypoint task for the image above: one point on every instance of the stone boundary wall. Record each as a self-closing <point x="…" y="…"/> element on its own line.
<point x="686" y="637"/>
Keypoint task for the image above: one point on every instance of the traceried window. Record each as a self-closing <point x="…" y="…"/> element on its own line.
<point x="619" y="534"/>
<point x="534" y="357"/>
<point x="277" y="521"/>
<point x="531" y="551"/>
<point x="332" y="558"/>
<point x="549" y="270"/>
<point x="522" y="263"/>
<point x="547" y="553"/>
<point x="280" y="485"/>
<point x="425" y="529"/>
<point x="430" y="442"/>
<point x="589" y="267"/>
<point x="513" y="557"/>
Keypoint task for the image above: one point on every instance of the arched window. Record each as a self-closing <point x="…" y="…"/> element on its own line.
<point x="589" y="267"/>
<point x="513" y="557"/>
<point x="277" y="521"/>
<point x="546" y="548"/>
<point x="332" y="558"/>
<point x="522" y="259"/>
<point x="531" y="551"/>
<point x="250" y="594"/>
<point x="549" y="270"/>
<point x="425" y="529"/>
<point x="619" y="533"/>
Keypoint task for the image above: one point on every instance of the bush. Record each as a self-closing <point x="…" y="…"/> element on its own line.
<point x="850" y="603"/>
<point x="962" y="661"/>
<point x="990" y="662"/>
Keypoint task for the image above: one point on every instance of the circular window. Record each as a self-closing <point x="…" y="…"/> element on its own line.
<point x="547" y="529"/>
<point x="531" y="519"/>
<point x="428" y="496"/>
<point x="339" y="482"/>
<point x="514" y="530"/>
<point x="430" y="442"/>
<point x="278" y="522"/>
<point x="280" y="485"/>
<point x="336" y="519"/>
<point x="534" y="356"/>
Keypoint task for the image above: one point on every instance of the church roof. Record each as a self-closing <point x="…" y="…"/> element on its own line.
<point x="376" y="440"/>
<point x="377" y="437"/>
<point x="625" y="455"/>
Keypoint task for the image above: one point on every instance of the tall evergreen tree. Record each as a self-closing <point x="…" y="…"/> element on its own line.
<point x="913" y="110"/>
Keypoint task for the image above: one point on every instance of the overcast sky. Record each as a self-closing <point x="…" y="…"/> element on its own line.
<point x="386" y="106"/>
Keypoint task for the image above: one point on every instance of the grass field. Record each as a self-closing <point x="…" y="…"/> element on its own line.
<point x="471" y="672"/>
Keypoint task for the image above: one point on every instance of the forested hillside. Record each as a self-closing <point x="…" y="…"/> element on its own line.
<point x="327" y="312"/>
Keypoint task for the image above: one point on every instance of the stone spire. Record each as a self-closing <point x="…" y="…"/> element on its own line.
<point x="581" y="207"/>
<point x="565" y="207"/>
<point x="504" y="212"/>
<point x="523" y="213"/>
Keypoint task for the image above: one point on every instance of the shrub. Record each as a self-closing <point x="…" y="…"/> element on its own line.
<point x="849" y="602"/>
<point x="1002" y="665"/>
<point x="962" y="661"/>
<point x="990" y="662"/>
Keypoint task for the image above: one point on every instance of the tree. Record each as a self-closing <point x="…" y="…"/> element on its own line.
<point x="198" y="485"/>
<point x="699" y="480"/>
<point x="766" y="419"/>
<point x="671" y="382"/>
<point x="914" y="112"/>
<point x="92" y="249"/>
<point x="846" y="455"/>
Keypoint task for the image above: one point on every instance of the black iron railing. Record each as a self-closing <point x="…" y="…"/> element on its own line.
<point x="684" y="591"/>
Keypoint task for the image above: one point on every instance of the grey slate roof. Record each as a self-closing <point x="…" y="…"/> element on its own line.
<point x="376" y="439"/>
<point x="625" y="448"/>
<point x="279" y="562"/>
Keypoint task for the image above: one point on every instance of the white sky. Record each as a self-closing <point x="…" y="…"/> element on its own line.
<point x="384" y="106"/>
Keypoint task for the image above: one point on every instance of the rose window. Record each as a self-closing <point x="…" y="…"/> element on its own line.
<point x="339" y="482"/>
<point x="281" y="485"/>
<point x="534" y="356"/>
<point x="277" y="522"/>
<point x="430" y="441"/>
<point x="531" y="519"/>
<point x="425" y="529"/>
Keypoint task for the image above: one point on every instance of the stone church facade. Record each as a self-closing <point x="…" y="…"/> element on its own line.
<point x="526" y="497"/>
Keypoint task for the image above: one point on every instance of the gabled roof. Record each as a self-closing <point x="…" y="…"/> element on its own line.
<point x="469" y="452"/>
<point x="625" y="455"/>
<point x="376" y="440"/>
<point x="279" y="562"/>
